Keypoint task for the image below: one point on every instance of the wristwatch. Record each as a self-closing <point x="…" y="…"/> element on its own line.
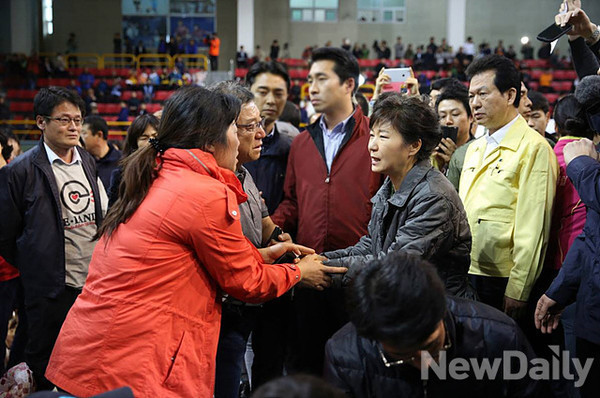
<point x="594" y="37"/>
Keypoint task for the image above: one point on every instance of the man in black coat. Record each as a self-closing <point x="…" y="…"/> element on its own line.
<point x="407" y="339"/>
<point x="51" y="203"/>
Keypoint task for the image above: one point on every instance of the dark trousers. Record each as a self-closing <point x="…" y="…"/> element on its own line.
<point x="45" y="317"/>
<point x="214" y="62"/>
<point x="237" y="321"/>
<point x="490" y="289"/>
<point x="271" y="339"/>
<point x="586" y="349"/>
<point x="11" y="298"/>
<point x="318" y="316"/>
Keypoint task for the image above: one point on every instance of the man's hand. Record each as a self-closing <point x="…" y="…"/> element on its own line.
<point x="514" y="308"/>
<point x="443" y="152"/>
<point x="547" y="314"/>
<point x="315" y="274"/>
<point x="582" y="147"/>
<point x="412" y="84"/>
<point x="275" y="251"/>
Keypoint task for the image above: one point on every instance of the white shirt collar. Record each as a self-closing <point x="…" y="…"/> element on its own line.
<point x="497" y="137"/>
<point x="52" y="156"/>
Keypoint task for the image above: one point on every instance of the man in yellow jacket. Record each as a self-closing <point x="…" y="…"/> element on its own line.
<point x="507" y="186"/>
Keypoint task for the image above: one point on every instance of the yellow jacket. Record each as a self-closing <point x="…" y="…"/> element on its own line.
<point x="508" y="197"/>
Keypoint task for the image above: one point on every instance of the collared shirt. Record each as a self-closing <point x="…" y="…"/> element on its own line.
<point x="332" y="139"/>
<point x="493" y="140"/>
<point x="52" y="156"/>
<point x="253" y="210"/>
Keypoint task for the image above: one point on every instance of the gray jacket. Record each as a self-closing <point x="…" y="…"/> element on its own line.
<point x="424" y="217"/>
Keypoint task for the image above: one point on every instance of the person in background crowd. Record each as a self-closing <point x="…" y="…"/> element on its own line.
<point x="123" y="112"/>
<point x="285" y="51"/>
<point x="167" y="247"/>
<point x="328" y="170"/>
<point x="14" y="142"/>
<point x="138" y="134"/>
<point x="300" y="386"/>
<point x="524" y="102"/>
<point x="259" y="54"/>
<point x="86" y="80"/>
<point x="94" y="134"/>
<point x="540" y="116"/>
<point x="399" y="48"/>
<point x="416" y="210"/>
<point x="55" y="181"/>
<point x="453" y="109"/>
<point x="274" y="54"/>
<point x="507" y="185"/>
<point x="402" y="321"/>
<point x="214" y="45"/>
<point x="242" y="58"/>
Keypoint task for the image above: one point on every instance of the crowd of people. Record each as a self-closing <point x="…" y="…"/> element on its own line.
<point x="388" y="243"/>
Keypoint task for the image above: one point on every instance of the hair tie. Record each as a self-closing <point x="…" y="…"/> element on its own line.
<point x="156" y="145"/>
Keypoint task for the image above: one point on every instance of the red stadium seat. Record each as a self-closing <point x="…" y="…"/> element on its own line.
<point x="560" y="75"/>
<point x="108" y="108"/>
<point x="535" y="74"/>
<point x="13" y="94"/>
<point x="566" y="86"/>
<point x="241" y="72"/>
<point x="551" y="97"/>
<point x="21" y="106"/>
<point x="126" y="95"/>
<point x="162" y="95"/>
<point x="109" y="118"/>
<point x="534" y="86"/>
<point x="153" y="107"/>
<point x="571" y="75"/>
<point x="28" y="94"/>
<point x="298" y="73"/>
<point x="295" y="62"/>
<point x="43" y="82"/>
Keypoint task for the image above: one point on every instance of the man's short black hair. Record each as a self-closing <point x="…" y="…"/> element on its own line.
<point x="441" y="84"/>
<point x="6" y="148"/>
<point x="362" y="102"/>
<point x="507" y="75"/>
<point x="457" y="93"/>
<point x="49" y="98"/>
<point x="272" y="67"/>
<point x="538" y="102"/>
<point x="234" y="89"/>
<point x="399" y="300"/>
<point x="346" y="65"/>
<point x="97" y="124"/>
<point x="412" y="118"/>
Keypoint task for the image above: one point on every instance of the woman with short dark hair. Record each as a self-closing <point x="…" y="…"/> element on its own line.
<point x="149" y="314"/>
<point x="417" y="210"/>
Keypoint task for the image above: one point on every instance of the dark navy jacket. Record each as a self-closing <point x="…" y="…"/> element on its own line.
<point x="31" y="227"/>
<point x="268" y="172"/>
<point x="107" y="164"/>
<point x="475" y="330"/>
<point x="579" y="276"/>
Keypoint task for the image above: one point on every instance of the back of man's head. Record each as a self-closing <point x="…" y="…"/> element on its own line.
<point x="345" y="64"/>
<point x="272" y="67"/>
<point x="49" y="98"/>
<point x="234" y="89"/>
<point x="507" y="75"/>
<point x="399" y="299"/>
<point x="298" y="386"/>
<point x="97" y="125"/>
<point x="538" y="101"/>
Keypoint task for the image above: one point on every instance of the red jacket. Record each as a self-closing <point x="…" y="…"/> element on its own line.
<point x="150" y="312"/>
<point x="329" y="211"/>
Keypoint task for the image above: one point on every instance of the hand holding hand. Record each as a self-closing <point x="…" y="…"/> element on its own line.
<point x="582" y="147"/>
<point x="315" y="274"/>
<point x="272" y="253"/>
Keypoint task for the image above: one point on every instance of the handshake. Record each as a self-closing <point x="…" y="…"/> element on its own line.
<point x="314" y="273"/>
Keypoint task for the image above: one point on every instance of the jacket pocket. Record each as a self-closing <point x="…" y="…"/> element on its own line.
<point x="175" y="374"/>
<point x="492" y="239"/>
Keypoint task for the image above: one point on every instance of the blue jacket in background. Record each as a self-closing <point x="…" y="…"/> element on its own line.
<point x="107" y="164"/>
<point x="268" y="172"/>
<point x="579" y="277"/>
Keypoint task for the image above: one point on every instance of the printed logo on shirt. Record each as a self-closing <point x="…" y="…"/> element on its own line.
<point x="75" y="197"/>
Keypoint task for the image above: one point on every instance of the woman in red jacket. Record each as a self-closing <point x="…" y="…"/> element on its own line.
<point x="149" y="314"/>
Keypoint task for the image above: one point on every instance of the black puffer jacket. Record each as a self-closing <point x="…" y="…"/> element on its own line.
<point x="424" y="217"/>
<point x="475" y="330"/>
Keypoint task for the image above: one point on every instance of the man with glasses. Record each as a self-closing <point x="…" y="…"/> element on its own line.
<point x="239" y="318"/>
<point x="402" y="322"/>
<point x="52" y="202"/>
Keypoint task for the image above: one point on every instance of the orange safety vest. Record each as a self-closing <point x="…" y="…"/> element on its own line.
<point x="214" y="47"/>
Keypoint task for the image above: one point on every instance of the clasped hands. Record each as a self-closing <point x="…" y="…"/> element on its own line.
<point x="314" y="274"/>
